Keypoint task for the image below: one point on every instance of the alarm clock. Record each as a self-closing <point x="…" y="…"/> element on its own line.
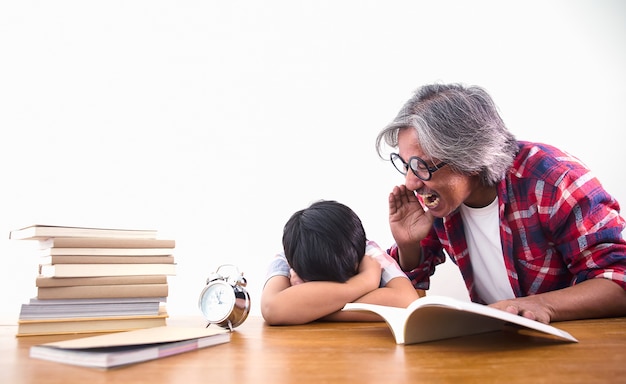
<point x="225" y="301"/>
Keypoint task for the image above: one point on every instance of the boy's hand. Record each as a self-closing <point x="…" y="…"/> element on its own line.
<point x="370" y="272"/>
<point x="294" y="279"/>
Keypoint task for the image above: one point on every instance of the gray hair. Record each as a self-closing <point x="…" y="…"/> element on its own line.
<point x="459" y="125"/>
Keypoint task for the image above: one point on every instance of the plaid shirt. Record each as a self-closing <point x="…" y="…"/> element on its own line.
<point x="558" y="226"/>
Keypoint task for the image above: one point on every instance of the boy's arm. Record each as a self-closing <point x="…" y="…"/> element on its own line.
<point x="399" y="292"/>
<point x="284" y="304"/>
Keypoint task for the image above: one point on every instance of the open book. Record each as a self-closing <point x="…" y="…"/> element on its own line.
<point x="436" y="317"/>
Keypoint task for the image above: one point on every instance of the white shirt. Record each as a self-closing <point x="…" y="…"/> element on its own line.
<point x="482" y="233"/>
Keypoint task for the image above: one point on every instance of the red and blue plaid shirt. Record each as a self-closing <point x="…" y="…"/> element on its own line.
<point x="558" y="227"/>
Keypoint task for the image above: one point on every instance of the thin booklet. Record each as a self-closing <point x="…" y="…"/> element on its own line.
<point x="123" y="348"/>
<point x="436" y="317"/>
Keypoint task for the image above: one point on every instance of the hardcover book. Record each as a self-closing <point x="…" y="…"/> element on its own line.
<point x="41" y="281"/>
<point x="74" y="259"/>
<point x="105" y="242"/>
<point x="40" y="232"/>
<point x="105" y="251"/>
<point x="103" y="291"/>
<point x="97" y="307"/>
<point x="82" y="325"/>
<point x="87" y="270"/>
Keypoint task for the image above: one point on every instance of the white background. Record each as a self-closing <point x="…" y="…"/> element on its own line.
<point x="213" y="121"/>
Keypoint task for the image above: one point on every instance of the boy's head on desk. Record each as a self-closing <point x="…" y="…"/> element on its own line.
<point x="324" y="242"/>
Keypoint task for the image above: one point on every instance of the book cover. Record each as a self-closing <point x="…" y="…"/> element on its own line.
<point x="70" y="326"/>
<point x="92" y="270"/>
<point x="435" y="317"/>
<point x="75" y="259"/>
<point x="104" y="242"/>
<point x="39" y="232"/>
<point x="41" y="281"/>
<point x="118" y="349"/>
<point x="103" y="291"/>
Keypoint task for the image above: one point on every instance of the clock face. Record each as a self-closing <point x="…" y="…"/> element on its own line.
<point x="217" y="301"/>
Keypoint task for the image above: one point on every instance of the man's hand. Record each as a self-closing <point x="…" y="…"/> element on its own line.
<point x="530" y="307"/>
<point x="408" y="221"/>
<point x="409" y="224"/>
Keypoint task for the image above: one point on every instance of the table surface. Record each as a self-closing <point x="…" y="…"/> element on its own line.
<point x="350" y="352"/>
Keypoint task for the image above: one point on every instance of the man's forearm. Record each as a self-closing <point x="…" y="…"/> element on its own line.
<point x="594" y="298"/>
<point x="409" y="257"/>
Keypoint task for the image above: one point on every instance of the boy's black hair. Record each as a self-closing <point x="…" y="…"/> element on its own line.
<point x="324" y="242"/>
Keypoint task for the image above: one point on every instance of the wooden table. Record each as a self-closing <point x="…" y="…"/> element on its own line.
<point x="353" y="353"/>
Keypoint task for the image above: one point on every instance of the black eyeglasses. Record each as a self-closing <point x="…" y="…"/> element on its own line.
<point x="417" y="165"/>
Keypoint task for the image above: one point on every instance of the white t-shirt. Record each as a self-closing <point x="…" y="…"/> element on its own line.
<point x="482" y="233"/>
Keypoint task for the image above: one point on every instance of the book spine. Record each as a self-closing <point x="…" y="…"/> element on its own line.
<point x="75" y="259"/>
<point x="99" y="280"/>
<point x="102" y="242"/>
<point x="103" y="291"/>
<point x="106" y="251"/>
<point x="88" y="270"/>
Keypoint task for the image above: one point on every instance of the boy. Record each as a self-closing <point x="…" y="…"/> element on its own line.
<point x="327" y="263"/>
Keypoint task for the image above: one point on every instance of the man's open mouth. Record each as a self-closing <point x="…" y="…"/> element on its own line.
<point x="431" y="200"/>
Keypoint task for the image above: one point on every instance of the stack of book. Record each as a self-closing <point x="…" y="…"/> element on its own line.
<point x="96" y="280"/>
